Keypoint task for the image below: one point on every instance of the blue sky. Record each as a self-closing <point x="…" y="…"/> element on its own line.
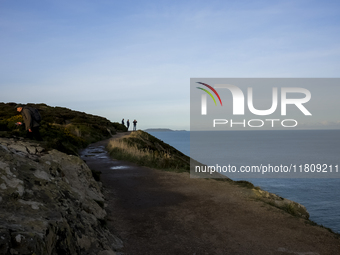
<point x="134" y="59"/>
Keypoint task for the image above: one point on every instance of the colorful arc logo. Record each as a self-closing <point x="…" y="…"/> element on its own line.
<point x="212" y="89"/>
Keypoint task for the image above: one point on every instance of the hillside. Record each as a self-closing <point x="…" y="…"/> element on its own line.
<point x="161" y="130"/>
<point x="158" y="130"/>
<point x="61" y="128"/>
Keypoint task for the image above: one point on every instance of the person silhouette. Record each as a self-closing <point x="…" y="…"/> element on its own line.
<point x="134" y="125"/>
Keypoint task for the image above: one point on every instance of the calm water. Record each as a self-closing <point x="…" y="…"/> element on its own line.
<point x="321" y="196"/>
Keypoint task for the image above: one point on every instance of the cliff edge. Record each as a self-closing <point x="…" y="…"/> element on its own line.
<point x="167" y="212"/>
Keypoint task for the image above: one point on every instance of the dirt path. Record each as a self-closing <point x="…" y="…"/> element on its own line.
<point x="158" y="212"/>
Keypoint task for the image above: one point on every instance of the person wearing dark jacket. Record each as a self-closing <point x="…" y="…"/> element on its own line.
<point x="134" y="125"/>
<point x="31" y="124"/>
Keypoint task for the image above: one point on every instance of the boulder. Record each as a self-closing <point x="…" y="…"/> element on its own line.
<point x="50" y="204"/>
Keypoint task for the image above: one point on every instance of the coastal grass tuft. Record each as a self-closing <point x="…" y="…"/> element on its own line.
<point x="146" y="150"/>
<point x="291" y="209"/>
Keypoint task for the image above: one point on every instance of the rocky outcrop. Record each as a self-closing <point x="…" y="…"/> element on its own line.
<point x="50" y="203"/>
<point x="287" y="205"/>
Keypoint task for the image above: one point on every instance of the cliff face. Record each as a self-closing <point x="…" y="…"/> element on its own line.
<point x="50" y="203"/>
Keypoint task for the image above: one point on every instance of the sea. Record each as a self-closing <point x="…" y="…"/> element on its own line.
<point x="321" y="196"/>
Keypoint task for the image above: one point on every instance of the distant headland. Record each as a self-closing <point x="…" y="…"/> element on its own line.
<point x="161" y="130"/>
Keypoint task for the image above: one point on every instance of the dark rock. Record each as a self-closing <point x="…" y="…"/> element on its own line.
<point x="50" y="204"/>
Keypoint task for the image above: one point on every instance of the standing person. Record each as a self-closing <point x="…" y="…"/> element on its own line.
<point x="123" y="121"/>
<point x="128" y="124"/>
<point x="134" y="125"/>
<point x="32" y="119"/>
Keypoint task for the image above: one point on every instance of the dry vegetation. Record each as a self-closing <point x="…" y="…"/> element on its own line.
<point x="147" y="150"/>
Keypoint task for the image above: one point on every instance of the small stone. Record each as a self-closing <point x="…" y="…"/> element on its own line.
<point x="13" y="182"/>
<point x="3" y="165"/>
<point x="20" y="190"/>
<point x="18" y="238"/>
<point x="33" y="204"/>
<point x="42" y="175"/>
<point x="31" y="149"/>
<point x="39" y="149"/>
<point x="18" y="147"/>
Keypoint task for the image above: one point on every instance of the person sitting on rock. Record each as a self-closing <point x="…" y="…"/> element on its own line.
<point x="31" y="118"/>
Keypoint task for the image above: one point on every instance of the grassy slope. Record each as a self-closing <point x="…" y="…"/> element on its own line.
<point x="61" y="128"/>
<point x="146" y="150"/>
